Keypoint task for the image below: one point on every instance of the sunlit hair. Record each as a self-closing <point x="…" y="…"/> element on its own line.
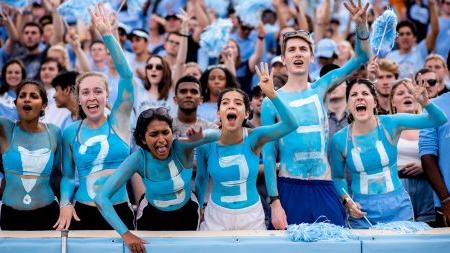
<point x="77" y="87"/>
<point x="436" y="57"/>
<point x="389" y="66"/>
<point x="65" y="57"/>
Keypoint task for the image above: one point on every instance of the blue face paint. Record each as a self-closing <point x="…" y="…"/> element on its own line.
<point x="94" y="151"/>
<point x="28" y="165"/>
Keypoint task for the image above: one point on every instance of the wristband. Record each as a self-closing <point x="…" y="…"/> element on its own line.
<point x="363" y="38"/>
<point x="65" y="204"/>
<point x="260" y="37"/>
<point x="183" y="35"/>
<point x="273" y="198"/>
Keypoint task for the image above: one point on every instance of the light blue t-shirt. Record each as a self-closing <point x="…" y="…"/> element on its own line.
<point x="443" y="38"/>
<point x="411" y="62"/>
<point x="436" y="141"/>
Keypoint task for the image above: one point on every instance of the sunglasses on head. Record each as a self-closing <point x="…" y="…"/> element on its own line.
<point x="156" y="66"/>
<point x="302" y="33"/>
<point x="161" y="111"/>
<point x="431" y="82"/>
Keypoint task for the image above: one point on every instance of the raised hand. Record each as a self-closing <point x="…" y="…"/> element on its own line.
<point x="373" y="69"/>
<point x="418" y="90"/>
<point x="357" y="12"/>
<point x="100" y="21"/>
<point x="265" y="79"/>
<point x="194" y="134"/>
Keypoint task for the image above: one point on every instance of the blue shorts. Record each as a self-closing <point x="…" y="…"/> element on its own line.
<point x="305" y="201"/>
<point x="383" y="208"/>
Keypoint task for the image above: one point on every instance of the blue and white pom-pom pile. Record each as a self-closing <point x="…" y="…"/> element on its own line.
<point x="403" y="227"/>
<point x="249" y="11"/>
<point x="216" y="36"/>
<point x="318" y="231"/>
<point x="384" y="33"/>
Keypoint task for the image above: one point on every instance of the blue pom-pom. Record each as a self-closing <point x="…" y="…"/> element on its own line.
<point x="249" y="11"/>
<point x="16" y="3"/>
<point x="78" y="9"/>
<point x="219" y="6"/>
<point x="135" y="6"/>
<point x="318" y="231"/>
<point x="403" y="227"/>
<point x="383" y="34"/>
<point x="216" y="36"/>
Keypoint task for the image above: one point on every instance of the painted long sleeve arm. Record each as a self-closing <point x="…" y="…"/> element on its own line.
<point x="266" y="133"/>
<point x="112" y="185"/>
<point x="337" y="76"/>
<point x="68" y="171"/>
<point x="123" y="105"/>
<point x="201" y="177"/>
<point x="338" y="168"/>
<point x="434" y="118"/>
<point x="269" y="156"/>
<point x="209" y="135"/>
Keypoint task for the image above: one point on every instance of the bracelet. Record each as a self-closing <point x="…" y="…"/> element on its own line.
<point x="273" y="198"/>
<point x="363" y="38"/>
<point x="183" y="35"/>
<point x="65" y="204"/>
<point x="445" y="201"/>
<point x="260" y="37"/>
<point x="344" y="202"/>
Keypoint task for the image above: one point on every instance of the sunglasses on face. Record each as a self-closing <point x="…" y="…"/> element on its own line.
<point x="431" y="82"/>
<point x="161" y="111"/>
<point x="156" y="66"/>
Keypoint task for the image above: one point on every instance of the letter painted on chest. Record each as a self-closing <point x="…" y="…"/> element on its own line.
<point x="319" y="127"/>
<point x="33" y="163"/>
<point x="241" y="162"/>
<point x="100" y="157"/>
<point x="178" y="183"/>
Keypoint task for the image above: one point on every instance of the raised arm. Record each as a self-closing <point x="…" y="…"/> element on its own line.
<point x="111" y="186"/>
<point x="79" y="53"/>
<point x="202" y="17"/>
<point x="434" y="118"/>
<point x="434" y="20"/>
<point x="362" y="49"/>
<point x="121" y="110"/>
<point x="287" y="123"/>
<point x="259" y="48"/>
<point x="178" y="69"/>
<point x="13" y="35"/>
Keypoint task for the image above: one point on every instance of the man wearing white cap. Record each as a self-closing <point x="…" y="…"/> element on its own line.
<point x="325" y="53"/>
<point x="139" y="46"/>
<point x="278" y="67"/>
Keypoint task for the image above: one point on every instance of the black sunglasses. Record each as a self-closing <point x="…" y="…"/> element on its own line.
<point x="297" y="33"/>
<point x="157" y="66"/>
<point x="432" y="82"/>
<point x="161" y="111"/>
